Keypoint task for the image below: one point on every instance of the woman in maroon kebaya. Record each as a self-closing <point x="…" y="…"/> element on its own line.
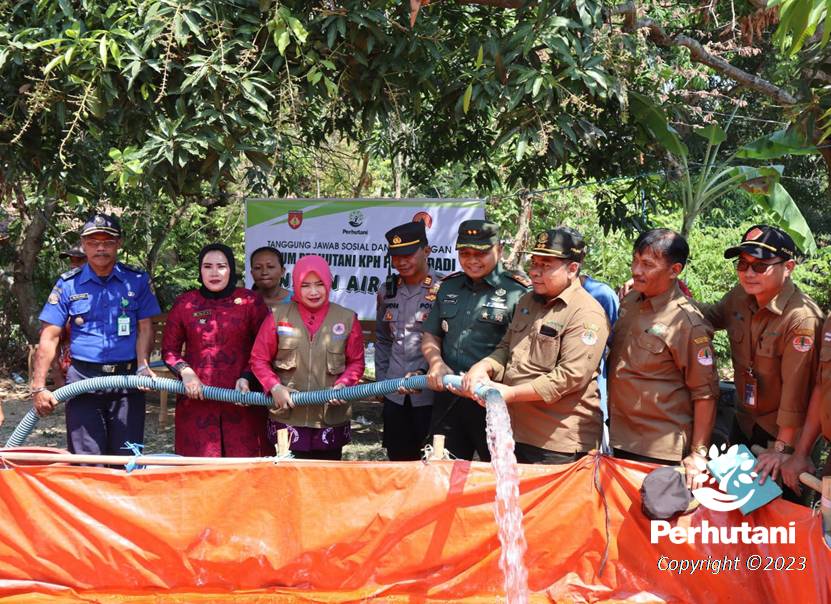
<point x="216" y="324"/>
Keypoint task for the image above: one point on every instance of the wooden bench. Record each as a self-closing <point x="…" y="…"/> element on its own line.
<point x="156" y="355"/>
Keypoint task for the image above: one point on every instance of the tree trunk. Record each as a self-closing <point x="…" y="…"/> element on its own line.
<point x="520" y="242"/>
<point x="359" y="187"/>
<point x="396" y="174"/>
<point x="23" y="287"/>
<point x="173" y="220"/>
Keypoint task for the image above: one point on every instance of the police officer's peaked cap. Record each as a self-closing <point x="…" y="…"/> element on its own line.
<point x="406" y="239"/>
<point x="764" y="241"/>
<point x="560" y="243"/>
<point x="477" y="234"/>
<point x="74" y="252"/>
<point x="102" y="223"/>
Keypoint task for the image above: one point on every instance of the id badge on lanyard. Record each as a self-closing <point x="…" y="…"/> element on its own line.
<point x="123" y="319"/>
<point x="749" y="388"/>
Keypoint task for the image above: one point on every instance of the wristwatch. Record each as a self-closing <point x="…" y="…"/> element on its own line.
<point x="700" y="450"/>
<point x="781" y="446"/>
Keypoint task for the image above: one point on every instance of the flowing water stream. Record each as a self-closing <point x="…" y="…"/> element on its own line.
<point x="507" y="510"/>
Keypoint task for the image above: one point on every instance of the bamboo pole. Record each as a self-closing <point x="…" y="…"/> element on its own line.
<point x="282" y="442"/>
<point x="438" y="447"/>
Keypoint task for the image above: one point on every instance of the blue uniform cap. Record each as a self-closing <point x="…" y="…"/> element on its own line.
<point x="102" y="223"/>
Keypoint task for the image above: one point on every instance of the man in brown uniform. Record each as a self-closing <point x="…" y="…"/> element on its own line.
<point x="663" y="384"/>
<point x="773" y="329"/>
<point x="818" y="420"/>
<point x="548" y="359"/>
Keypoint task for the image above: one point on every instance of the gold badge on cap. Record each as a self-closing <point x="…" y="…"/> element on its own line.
<point x="396" y="240"/>
<point x="542" y="239"/>
<point x="99" y="221"/>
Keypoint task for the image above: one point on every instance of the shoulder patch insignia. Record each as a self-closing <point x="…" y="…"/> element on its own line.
<point x="803" y="343"/>
<point x="803" y="332"/>
<point x="702" y="340"/>
<point x="705" y="357"/>
<point x="71" y="273"/>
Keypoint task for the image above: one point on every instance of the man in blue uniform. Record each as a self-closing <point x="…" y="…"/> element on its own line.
<point x="109" y="306"/>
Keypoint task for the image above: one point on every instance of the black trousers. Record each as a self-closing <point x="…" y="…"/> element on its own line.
<point x="99" y="423"/>
<point x="526" y="453"/>
<point x="621" y="454"/>
<point x="462" y="422"/>
<point x="405" y="429"/>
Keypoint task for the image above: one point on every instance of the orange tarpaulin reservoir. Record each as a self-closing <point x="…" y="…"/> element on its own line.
<point x="396" y="532"/>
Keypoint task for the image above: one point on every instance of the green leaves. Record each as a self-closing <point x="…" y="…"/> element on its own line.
<point x="284" y="26"/>
<point x="654" y="121"/>
<point x="777" y="144"/>
<point x="799" y="20"/>
<point x="786" y="215"/>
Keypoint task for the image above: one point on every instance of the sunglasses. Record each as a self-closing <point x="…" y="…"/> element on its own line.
<point x="757" y="267"/>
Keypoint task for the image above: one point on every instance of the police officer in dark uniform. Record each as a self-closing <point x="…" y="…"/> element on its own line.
<point x="403" y="305"/>
<point x="109" y="306"/>
<point x="472" y="311"/>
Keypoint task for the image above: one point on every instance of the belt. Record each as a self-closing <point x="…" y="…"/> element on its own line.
<point x="125" y="367"/>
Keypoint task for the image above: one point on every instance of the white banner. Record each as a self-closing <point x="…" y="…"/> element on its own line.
<point x="349" y="234"/>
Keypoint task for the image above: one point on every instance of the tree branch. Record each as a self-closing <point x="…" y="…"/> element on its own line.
<point x="659" y="36"/>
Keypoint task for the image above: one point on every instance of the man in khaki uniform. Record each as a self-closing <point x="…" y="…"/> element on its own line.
<point x="663" y="384"/>
<point x="818" y="420"/>
<point x="773" y="329"/>
<point x="546" y="364"/>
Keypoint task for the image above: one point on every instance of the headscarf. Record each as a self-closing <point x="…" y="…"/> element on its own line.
<point x="311" y="264"/>
<point x="232" y="269"/>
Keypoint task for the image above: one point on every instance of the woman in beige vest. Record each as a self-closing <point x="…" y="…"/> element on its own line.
<point x="310" y="344"/>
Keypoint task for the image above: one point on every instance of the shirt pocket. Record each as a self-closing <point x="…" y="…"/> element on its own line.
<point x="766" y="346"/>
<point x="545" y="349"/>
<point x="492" y="316"/>
<point x="286" y="357"/>
<point x="736" y="333"/>
<point x="80" y="308"/>
<point x="335" y="358"/>
<point x="651" y="344"/>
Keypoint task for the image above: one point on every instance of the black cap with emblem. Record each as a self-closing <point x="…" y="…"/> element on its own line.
<point x="477" y="234"/>
<point x="102" y="223"/>
<point x="562" y="242"/>
<point x="764" y="241"/>
<point x="406" y="239"/>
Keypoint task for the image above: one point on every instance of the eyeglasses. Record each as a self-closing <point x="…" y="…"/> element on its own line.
<point x="757" y="267"/>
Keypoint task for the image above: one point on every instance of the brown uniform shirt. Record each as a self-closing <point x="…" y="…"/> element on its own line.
<point x="556" y="346"/>
<point x="824" y="379"/>
<point x="661" y="360"/>
<point x="779" y="343"/>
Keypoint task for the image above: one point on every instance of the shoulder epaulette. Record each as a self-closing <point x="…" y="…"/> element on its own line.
<point x="519" y="277"/>
<point x="71" y="273"/>
<point x="453" y="275"/>
<point x="131" y="268"/>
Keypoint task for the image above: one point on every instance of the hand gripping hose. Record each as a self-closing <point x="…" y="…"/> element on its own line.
<point x="300" y="399"/>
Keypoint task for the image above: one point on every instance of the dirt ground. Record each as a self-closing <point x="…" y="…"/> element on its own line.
<point x="51" y="431"/>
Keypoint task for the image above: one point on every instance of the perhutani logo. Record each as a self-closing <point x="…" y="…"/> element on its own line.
<point x="738" y="465"/>
<point x="741" y="472"/>
<point x="356" y="218"/>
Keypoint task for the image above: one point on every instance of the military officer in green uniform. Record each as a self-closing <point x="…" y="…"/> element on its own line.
<point x="469" y="317"/>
